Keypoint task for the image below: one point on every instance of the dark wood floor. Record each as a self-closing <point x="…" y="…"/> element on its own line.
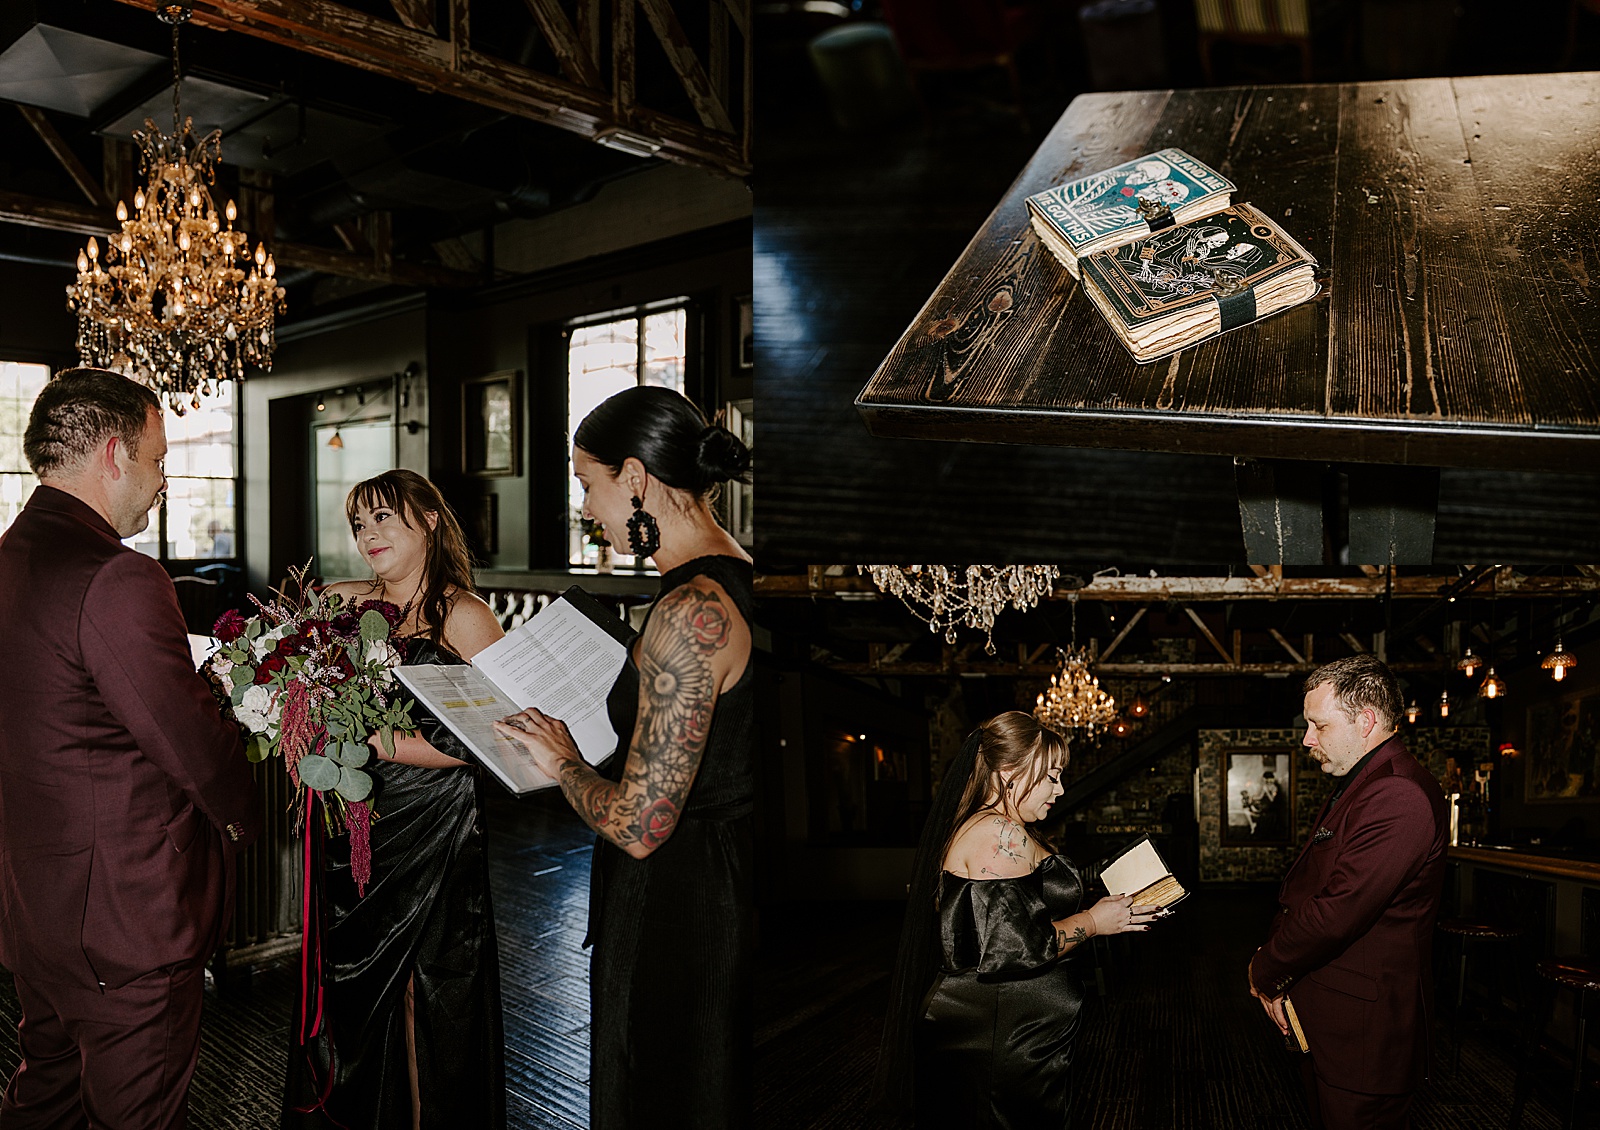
<point x="852" y="233"/>
<point x="1177" y="1042"/>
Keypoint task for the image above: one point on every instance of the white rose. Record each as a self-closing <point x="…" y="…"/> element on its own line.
<point x="221" y="664"/>
<point x="254" y="708"/>
<point x="379" y="651"/>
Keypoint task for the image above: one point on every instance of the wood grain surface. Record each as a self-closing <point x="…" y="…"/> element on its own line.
<point x="1452" y="222"/>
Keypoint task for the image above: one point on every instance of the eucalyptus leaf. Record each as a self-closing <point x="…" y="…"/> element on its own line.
<point x="317" y="772"/>
<point x="238" y="693"/>
<point x="337" y="727"/>
<point x="258" y="749"/>
<point x="354" y="754"/>
<point x="354" y="784"/>
<point x="241" y="675"/>
<point x="386" y="736"/>
<point x="373" y="625"/>
<point x="252" y="629"/>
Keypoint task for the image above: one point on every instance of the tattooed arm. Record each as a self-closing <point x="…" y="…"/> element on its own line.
<point x="695" y="640"/>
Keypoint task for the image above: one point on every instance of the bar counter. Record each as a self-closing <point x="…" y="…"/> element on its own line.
<point x="1551" y="893"/>
<point x="1533" y="859"/>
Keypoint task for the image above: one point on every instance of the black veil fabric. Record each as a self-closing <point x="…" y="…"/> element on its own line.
<point x="921" y="951"/>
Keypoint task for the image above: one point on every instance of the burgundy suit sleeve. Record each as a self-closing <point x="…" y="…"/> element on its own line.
<point x="136" y="648"/>
<point x="1388" y="842"/>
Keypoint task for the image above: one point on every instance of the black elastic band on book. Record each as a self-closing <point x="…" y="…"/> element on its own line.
<point x="1165" y="220"/>
<point x="1236" y="309"/>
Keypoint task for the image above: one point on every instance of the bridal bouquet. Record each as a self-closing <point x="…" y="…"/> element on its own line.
<point x="310" y="680"/>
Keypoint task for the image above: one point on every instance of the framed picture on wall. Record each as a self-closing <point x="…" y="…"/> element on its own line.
<point x="1257" y="797"/>
<point x="1563" y="749"/>
<point x="491" y="433"/>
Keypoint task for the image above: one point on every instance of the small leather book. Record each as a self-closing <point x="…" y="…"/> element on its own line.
<point x="1139" y="870"/>
<point x="1187" y="284"/>
<point x="1297" y="1032"/>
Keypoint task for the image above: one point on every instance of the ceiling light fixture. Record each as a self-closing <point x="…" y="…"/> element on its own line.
<point x="178" y="300"/>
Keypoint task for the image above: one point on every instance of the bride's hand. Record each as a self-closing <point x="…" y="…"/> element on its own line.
<point x="1116" y="914"/>
<point x="543" y="738"/>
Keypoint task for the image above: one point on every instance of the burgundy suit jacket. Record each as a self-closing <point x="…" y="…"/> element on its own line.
<point x="118" y="775"/>
<point x="1353" y="943"/>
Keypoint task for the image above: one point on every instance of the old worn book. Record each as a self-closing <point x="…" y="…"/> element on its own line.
<point x="1139" y="870"/>
<point x="1298" y="1032"/>
<point x="1121" y="204"/>
<point x="1181" y="286"/>
<point x="562" y="661"/>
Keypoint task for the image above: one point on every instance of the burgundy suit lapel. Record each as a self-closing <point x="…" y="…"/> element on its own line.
<point x="1382" y="756"/>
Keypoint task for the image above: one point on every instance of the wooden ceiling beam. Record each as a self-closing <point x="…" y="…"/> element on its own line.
<point x="450" y="66"/>
<point x="680" y="53"/>
<point x="58" y="146"/>
<point x="950" y="667"/>
<point x="17" y="208"/>
<point x="570" y="48"/>
<point x="418" y="15"/>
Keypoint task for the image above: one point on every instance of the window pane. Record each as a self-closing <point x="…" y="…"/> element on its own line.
<point x="200" y="517"/>
<point x="200" y="443"/>
<point x="14" y="492"/>
<point x="664" y="349"/>
<point x="602" y="360"/>
<point x="19" y="386"/>
<point x="368" y="450"/>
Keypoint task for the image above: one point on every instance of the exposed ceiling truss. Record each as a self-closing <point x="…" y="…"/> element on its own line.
<point x="431" y="48"/>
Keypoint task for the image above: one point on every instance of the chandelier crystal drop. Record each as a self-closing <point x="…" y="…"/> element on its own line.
<point x="177" y="298"/>
<point x="1074" y="699"/>
<point x="947" y="597"/>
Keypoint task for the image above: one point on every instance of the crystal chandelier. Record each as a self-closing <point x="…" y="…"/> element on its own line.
<point x="178" y="300"/>
<point x="944" y="597"/>
<point x="1074" y="699"/>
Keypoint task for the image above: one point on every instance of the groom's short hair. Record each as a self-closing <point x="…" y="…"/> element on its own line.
<point x="78" y="411"/>
<point x="1361" y="681"/>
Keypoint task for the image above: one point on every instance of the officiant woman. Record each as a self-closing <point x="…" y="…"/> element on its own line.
<point x="984" y="1002"/>
<point x="412" y="1035"/>
<point x="670" y="907"/>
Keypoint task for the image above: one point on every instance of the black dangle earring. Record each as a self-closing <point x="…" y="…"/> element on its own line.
<point x="644" y="536"/>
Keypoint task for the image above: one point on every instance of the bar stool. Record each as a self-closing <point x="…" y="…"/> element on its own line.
<point x="1582" y="975"/>
<point x="1499" y="940"/>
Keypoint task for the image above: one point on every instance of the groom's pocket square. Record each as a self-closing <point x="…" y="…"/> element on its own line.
<point x="1322" y="834"/>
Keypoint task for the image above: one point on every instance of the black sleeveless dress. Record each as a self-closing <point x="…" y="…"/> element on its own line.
<point x="994" y="1046"/>
<point x="672" y="1039"/>
<point x="426" y="913"/>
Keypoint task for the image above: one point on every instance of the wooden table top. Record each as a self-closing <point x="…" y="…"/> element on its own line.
<point x="1456" y="222"/>
<point x="1530" y="861"/>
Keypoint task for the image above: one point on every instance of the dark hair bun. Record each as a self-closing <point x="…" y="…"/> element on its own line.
<point x="722" y="455"/>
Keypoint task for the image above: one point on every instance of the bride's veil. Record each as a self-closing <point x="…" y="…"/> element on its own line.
<point x="920" y="952"/>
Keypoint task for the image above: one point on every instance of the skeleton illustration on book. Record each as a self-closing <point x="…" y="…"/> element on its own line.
<point x="1185" y="260"/>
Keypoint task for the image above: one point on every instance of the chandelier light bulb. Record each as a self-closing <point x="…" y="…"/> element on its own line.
<point x="261" y="254"/>
<point x="1444" y="704"/>
<point x="271" y="268"/>
<point x="183" y="241"/>
<point x="94" y="248"/>
<point x="1493" y="685"/>
<point x="138" y="200"/>
<point x="231" y="212"/>
<point x="122" y="212"/>
<point x="1558" y="661"/>
<point x="83" y="263"/>
<point x="1469" y="663"/>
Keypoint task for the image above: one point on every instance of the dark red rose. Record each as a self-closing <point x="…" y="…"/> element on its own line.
<point x="709" y="625"/>
<point x="270" y="666"/>
<point x="229" y="626"/>
<point x="345" y="624"/>
<point x="657" y="822"/>
<point x="391" y="612"/>
<point x="291" y="644"/>
<point x="321" y="628"/>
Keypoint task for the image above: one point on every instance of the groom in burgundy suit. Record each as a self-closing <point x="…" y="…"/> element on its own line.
<point x="124" y="795"/>
<point x="1352" y="946"/>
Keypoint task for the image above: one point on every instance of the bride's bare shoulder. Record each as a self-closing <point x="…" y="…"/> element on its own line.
<point x="991" y="846"/>
<point x="352" y="590"/>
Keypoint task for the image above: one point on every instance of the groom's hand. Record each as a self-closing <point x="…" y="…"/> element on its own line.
<point x="1273" y="1005"/>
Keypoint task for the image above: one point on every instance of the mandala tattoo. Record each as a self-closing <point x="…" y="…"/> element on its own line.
<point x="677" y="692"/>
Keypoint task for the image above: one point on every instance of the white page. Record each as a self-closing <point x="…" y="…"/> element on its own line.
<point x="470" y="705"/>
<point x="563" y="664"/>
<point x="1135" y="870"/>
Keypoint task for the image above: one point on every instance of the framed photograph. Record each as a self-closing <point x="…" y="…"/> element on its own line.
<point x="491" y="433"/>
<point x="1563" y="749"/>
<point x="745" y="321"/>
<point x="1258" y="797"/>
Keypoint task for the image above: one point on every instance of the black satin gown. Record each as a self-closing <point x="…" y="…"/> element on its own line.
<point x="672" y="1037"/>
<point x="426" y="913"/>
<point x="994" y="1045"/>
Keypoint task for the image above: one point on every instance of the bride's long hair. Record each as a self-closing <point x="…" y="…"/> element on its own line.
<point x="1012" y="743"/>
<point x="447" y="567"/>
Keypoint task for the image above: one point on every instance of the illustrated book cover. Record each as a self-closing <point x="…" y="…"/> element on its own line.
<point x="1186" y="284"/>
<point x="1121" y="204"/>
<point x="1139" y="870"/>
<point x="562" y="661"/>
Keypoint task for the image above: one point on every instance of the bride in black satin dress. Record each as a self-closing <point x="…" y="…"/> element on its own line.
<point x="985" y="998"/>
<point x="411" y="986"/>
<point x="670" y="907"/>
